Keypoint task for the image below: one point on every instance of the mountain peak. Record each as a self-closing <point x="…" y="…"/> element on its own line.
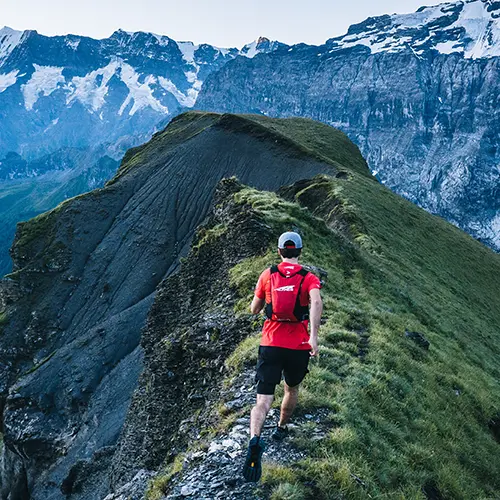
<point x="9" y="40"/>
<point x="262" y="39"/>
<point x="262" y="44"/>
<point x="467" y="27"/>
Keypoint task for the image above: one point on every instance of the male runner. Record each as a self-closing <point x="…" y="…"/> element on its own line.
<point x="291" y="296"/>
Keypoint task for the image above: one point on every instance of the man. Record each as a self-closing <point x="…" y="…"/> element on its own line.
<point x="291" y="296"/>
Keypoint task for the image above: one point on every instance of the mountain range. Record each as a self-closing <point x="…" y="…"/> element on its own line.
<point x="418" y="93"/>
<point x="75" y="91"/>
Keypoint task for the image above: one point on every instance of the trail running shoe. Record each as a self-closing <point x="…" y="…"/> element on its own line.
<point x="252" y="470"/>
<point x="280" y="433"/>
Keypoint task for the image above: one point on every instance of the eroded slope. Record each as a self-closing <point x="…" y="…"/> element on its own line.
<point x="84" y="279"/>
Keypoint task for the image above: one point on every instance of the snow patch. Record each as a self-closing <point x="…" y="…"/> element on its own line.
<point x="73" y="44"/>
<point x="183" y="99"/>
<point x="43" y="82"/>
<point x="250" y="50"/>
<point x="8" y="79"/>
<point x="448" y="47"/>
<point x="91" y="89"/>
<point x="187" y="49"/>
<point x="9" y="40"/>
<point x="140" y="93"/>
<point x="495" y="230"/>
<point x="476" y="32"/>
<point x="482" y="28"/>
<point x="162" y="40"/>
<point x="191" y="76"/>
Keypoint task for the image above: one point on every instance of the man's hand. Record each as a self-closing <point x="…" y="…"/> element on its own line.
<point x="315" y="316"/>
<point x="313" y="342"/>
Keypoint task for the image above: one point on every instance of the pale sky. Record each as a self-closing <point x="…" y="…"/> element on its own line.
<point x="218" y="22"/>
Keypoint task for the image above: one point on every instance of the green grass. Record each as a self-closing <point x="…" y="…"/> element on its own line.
<point x="159" y="485"/>
<point x="402" y="416"/>
<point x="305" y="137"/>
<point x="318" y="139"/>
<point x="180" y="129"/>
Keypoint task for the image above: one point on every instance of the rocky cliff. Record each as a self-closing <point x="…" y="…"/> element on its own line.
<point x="418" y="93"/>
<point x="85" y="276"/>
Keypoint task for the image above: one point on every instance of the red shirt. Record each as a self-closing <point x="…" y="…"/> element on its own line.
<point x="282" y="334"/>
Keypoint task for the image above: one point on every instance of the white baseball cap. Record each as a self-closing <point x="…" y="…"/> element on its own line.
<point x="290" y="240"/>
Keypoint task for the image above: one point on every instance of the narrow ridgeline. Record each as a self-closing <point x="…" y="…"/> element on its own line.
<point x="85" y="276"/>
<point x="127" y="349"/>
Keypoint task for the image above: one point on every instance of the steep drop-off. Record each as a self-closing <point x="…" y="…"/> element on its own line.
<point x="85" y="276"/>
<point x="28" y="189"/>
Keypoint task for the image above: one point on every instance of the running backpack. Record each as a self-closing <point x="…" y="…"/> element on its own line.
<point x="285" y="297"/>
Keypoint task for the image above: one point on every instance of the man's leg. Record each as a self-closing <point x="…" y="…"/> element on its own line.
<point x="295" y="370"/>
<point x="289" y="404"/>
<point x="252" y="468"/>
<point x="269" y="366"/>
<point x="259" y="413"/>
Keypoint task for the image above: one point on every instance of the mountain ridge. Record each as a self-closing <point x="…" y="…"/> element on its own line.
<point x="85" y="274"/>
<point x="91" y="320"/>
<point x="426" y="122"/>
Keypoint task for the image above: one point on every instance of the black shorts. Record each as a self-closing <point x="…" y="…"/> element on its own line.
<point x="273" y="361"/>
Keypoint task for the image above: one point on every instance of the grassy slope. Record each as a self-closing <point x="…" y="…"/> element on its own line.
<point x="303" y="135"/>
<point x="403" y="417"/>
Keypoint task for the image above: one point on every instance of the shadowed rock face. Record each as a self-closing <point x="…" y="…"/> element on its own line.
<point x="186" y="341"/>
<point x="85" y="276"/>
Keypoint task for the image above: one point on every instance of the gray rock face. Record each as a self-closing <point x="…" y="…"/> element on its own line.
<point x="85" y="276"/>
<point x="425" y="115"/>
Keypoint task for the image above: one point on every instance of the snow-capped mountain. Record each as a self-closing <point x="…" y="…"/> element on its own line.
<point x="470" y="28"/>
<point x="77" y="91"/>
<point x="419" y="93"/>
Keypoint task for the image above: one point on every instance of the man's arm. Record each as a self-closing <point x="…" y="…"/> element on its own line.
<point x="256" y="305"/>
<point x="315" y="318"/>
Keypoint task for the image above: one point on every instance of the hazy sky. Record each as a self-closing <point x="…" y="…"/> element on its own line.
<point x="219" y="22"/>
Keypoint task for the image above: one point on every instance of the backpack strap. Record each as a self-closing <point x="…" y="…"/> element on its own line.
<point x="303" y="273"/>
<point x="269" y="306"/>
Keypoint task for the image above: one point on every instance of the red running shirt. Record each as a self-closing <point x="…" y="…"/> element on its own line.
<point x="282" y="334"/>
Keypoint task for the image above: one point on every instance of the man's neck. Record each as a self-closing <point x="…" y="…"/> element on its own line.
<point x="290" y="261"/>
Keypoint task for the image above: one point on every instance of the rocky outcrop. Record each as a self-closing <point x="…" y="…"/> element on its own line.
<point x="85" y="276"/>
<point x="425" y="118"/>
